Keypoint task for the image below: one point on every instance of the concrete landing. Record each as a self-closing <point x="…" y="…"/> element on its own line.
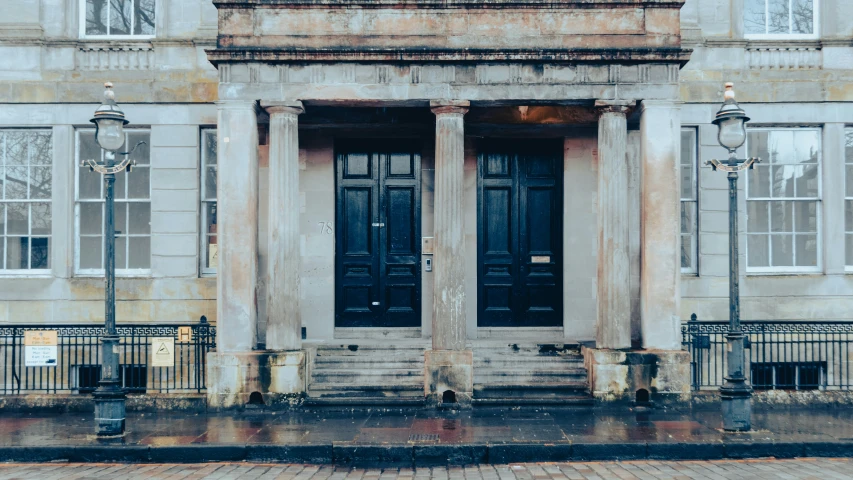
<point x="422" y="438"/>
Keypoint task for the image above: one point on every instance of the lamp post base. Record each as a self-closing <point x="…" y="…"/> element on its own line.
<point x="737" y="408"/>
<point x="109" y="413"/>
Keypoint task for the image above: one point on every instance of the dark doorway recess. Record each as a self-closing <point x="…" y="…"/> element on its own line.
<point x="378" y="234"/>
<point x="520" y="233"/>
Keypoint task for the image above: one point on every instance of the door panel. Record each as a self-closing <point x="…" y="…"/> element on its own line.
<point x="377" y="261"/>
<point x="520" y="228"/>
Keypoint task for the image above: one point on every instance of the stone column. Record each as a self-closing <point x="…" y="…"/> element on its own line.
<point x="285" y="361"/>
<point x="237" y="222"/>
<point x="233" y="369"/>
<point x="449" y="366"/>
<point x="660" y="223"/>
<point x="614" y="267"/>
<point x="284" y="320"/>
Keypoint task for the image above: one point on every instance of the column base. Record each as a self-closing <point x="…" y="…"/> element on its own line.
<point x="109" y="412"/>
<point x="449" y="378"/>
<point x="641" y="376"/>
<point x="272" y="379"/>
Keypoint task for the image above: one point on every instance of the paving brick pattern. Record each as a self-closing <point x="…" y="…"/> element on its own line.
<point x="803" y="468"/>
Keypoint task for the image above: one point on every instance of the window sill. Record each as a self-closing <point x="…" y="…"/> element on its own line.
<point x="26" y="274"/>
<point x="786" y="273"/>
<point x="780" y="37"/>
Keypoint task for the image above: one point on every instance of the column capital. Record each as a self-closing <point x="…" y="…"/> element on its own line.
<point x="459" y="107"/>
<point x="237" y="105"/>
<point x="647" y="104"/>
<point x="290" y="106"/>
<point x="614" y="106"/>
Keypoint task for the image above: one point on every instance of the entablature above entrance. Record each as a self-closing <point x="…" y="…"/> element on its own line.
<point x="417" y="84"/>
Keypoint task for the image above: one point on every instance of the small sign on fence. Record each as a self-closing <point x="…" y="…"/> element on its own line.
<point x="163" y="351"/>
<point x="185" y="334"/>
<point x="40" y="348"/>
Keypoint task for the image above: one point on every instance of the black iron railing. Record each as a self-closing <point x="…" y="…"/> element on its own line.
<point x="780" y="355"/>
<point x="78" y="367"/>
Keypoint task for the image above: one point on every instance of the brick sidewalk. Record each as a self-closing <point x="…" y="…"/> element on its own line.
<point x="805" y="468"/>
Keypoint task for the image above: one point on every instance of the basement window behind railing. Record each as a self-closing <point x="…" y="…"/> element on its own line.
<point x="133" y="378"/>
<point x="788" y="376"/>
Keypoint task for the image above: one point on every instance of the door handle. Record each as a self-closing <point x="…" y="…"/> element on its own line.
<point x="375" y="304"/>
<point x="378" y="224"/>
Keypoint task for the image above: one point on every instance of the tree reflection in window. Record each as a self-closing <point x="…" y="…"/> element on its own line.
<point x="779" y="17"/>
<point x="120" y="17"/>
<point x="25" y="193"/>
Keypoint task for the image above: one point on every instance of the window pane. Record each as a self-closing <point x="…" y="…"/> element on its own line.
<point x="140" y="218"/>
<point x="16" y="149"/>
<point x="687" y="217"/>
<point x="805" y="214"/>
<point x="210" y="183"/>
<point x="806" y="181"/>
<point x="138" y="180"/>
<point x="777" y="16"/>
<point x="120" y="219"/>
<point x="140" y="252"/>
<point x="142" y="153"/>
<point x="210" y="147"/>
<point x="16" y="183"/>
<point x="3" y="250"/>
<point x="40" y="182"/>
<point x="120" y="17"/>
<point x="17" y="252"/>
<point x="17" y="218"/>
<point x="90" y="252"/>
<point x="802" y="19"/>
<point x="91" y="221"/>
<point x="806" y="250"/>
<point x="849" y="189"/>
<point x="121" y="253"/>
<point x="89" y="184"/>
<point x="848" y="215"/>
<point x="144" y="21"/>
<point x="39" y="253"/>
<point x="849" y="248"/>
<point x="757" y="144"/>
<point x="687" y="251"/>
<point x="781" y="217"/>
<point x="41" y="148"/>
<point x="759" y="181"/>
<point x="754" y="16"/>
<point x="120" y="186"/>
<point x="758" y="220"/>
<point x="40" y="218"/>
<point x="96" y="17"/>
<point x="782" y="254"/>
<point x="757" y="251"/>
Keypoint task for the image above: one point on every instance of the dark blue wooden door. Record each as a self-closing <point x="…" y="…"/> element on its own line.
<point x="378" y="249"/>
<point x="520" y="233"/>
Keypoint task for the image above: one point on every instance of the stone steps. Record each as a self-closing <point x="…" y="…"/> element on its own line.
<point x="367" y="375"/>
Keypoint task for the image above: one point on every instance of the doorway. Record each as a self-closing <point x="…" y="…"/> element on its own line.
<point x="520" y="233"/>
<point x="378" y="244"/>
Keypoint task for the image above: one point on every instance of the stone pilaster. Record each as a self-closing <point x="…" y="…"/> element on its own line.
<point x="449" y="366"/>
<point x="613" y="327"/>
<point x="237" y="222"/>
<point x="660" y="226"/>
<point x="284" y="320"/>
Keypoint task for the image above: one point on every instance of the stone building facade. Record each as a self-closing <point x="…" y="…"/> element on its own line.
<point x="409" y="187"/>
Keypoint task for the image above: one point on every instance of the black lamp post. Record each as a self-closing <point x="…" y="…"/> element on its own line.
<point x="109" y="397"/>
<point x="736" y="394"/>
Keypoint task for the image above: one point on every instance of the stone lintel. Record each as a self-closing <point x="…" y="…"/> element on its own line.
<point x="449" y="106"/>
<point x="446" y="4"/>
<point x="449" y="370"/>
<point x="617" y="375"/>
<point x="279" y="377"/>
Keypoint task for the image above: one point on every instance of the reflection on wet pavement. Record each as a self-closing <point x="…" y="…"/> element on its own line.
<point x="424" y="427"/>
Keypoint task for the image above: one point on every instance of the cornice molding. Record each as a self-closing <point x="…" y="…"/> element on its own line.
<point x="610" y="55"/>
<point x="448" y="4"/>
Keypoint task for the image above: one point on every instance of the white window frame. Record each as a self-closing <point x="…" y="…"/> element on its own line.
<point x="28" y="272"/>
<point x="203" y="201"/>
<point x="848" y="229"/>
<point x="99" y="272"/>
<point x="790" y="270"/>
<point x="787" y="36"/>
<point x="694" y="268"/>
<point x="84" y="35"/>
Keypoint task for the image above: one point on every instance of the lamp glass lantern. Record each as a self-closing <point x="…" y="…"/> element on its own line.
<point x="109" y="122"/>
<point x="731" y="122"/>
